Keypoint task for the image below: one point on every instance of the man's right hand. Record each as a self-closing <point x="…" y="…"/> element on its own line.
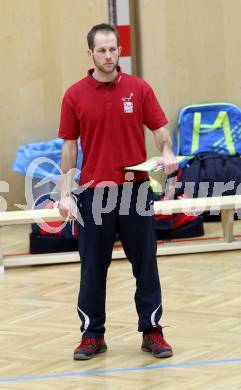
<point x="68" y="207"/>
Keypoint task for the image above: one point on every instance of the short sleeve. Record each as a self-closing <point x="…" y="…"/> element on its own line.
<point x="153" y="115"/>
<point x="69" y="124"/>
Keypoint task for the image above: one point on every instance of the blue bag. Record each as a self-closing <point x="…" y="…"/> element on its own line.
<point x="41" y="159"/>
<point x="214" y="127"/>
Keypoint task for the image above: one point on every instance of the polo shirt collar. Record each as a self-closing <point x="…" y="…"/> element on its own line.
<point x="98" y="84"/>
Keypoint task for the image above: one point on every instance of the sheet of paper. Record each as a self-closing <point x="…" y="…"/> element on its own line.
<point x="148" y="166"/>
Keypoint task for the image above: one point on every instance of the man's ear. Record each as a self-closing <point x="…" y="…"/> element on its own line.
<point x="119" y="49"/>
<point x="89" y="52"/>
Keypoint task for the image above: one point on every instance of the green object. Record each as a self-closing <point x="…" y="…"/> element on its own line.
<point x="222" y="120"/>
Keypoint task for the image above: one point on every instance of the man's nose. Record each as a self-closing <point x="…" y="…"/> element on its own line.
<point x="108" y="54"/>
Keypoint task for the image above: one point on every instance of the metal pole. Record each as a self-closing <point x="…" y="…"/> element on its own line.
<point x="112" y="12"/>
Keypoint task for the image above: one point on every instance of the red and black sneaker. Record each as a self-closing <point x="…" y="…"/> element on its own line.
<point x="154" y="342"/>
<point x="88" y="348"/>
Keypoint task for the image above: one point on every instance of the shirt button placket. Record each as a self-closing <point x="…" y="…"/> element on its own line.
<point x="108" y="101"/>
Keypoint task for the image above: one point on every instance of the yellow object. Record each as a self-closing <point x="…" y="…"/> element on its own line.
<point x="155" y="186"/>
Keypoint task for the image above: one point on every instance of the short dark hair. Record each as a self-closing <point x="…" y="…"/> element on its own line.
<point x="106" y="28"/>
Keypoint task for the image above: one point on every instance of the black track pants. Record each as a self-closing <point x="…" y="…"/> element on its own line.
<point x="96" y="239"/>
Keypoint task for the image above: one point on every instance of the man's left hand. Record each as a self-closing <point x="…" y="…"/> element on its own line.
<point x="169" y="162"/>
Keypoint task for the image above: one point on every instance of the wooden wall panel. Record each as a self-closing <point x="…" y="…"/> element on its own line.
<point x="43" y="47"/>
<point x="190" y="52"/>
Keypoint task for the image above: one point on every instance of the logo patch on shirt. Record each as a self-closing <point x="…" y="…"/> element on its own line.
<point x="128" y="104"/>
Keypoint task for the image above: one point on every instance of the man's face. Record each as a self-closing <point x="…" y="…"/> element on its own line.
<point x="105" y="54"/>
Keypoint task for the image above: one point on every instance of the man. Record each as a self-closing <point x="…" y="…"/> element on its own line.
<point x="107" y="110"/>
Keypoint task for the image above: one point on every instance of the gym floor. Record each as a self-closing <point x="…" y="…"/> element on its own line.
<point x="39" y="326"/>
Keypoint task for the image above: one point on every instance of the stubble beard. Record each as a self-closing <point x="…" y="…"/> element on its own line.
<point x="102" y="69"/>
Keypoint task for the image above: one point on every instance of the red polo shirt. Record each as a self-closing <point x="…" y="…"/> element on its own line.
<point x="109" y="120"/>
